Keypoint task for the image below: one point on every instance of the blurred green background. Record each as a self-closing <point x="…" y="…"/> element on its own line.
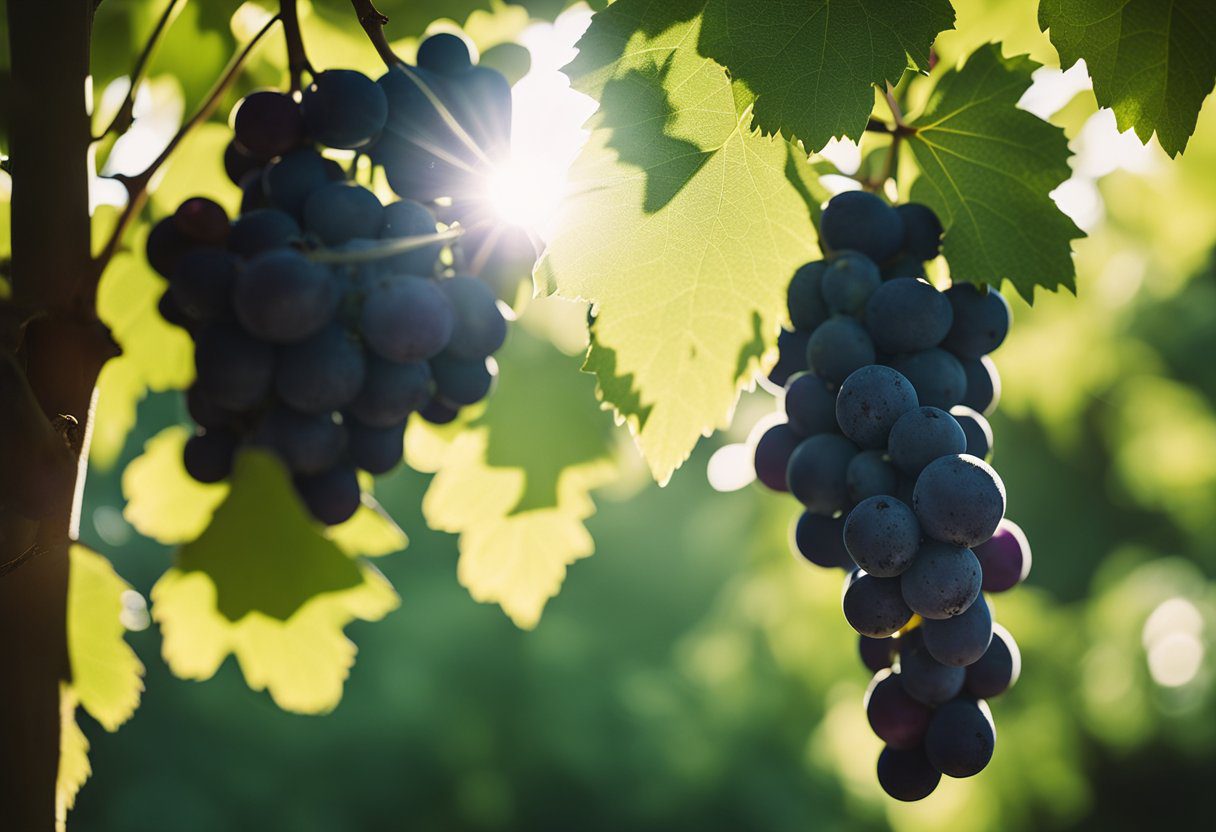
<point x="693" y="674"/>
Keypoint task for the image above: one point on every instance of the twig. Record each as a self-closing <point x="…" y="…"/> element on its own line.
<point x="372" y="20"/>
<point x="297" y="60"/>
<point x="137" y="186"/>
<point x="125" y="115"/>
<point x="896" y="111"/>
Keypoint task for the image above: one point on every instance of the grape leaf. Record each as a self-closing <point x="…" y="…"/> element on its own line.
<point x="74" y="768"/>
<point x="515" y="483"/>
<point x="1152" y="61"/>
<point x="810" y="67"/>
<point x="988" y="169"/>
<point x="682" y="229"/>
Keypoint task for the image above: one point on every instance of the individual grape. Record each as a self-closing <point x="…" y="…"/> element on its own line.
<point x="292" y="179"/>
<point x="907" y="775"/>
<point x="1005" y="557"/>
<point x="171" y="312"/>
<point x="882" y="536"/>
<point x="406" y="218"/>
<point x="262" y="230"/>
<point x="202" y="220"/>
<point x="208" y="455"/>
<point x="238" y="162"/>
<point x="439" y="412"/>
<point x="482" y="98"/>
<point x="961" y="738"/>
<point x="976" y="429"/>
<point x="936" y="374"/>
<point x="895" y="717"/>
<point x="502" y="256"/>
<point x="341" y="211"/>
<point x="816" y="472"/>
<point x="876" y="653"/>
<point x="804" y="298"/>
<point x="810" y="405"/>
<point x="959" y="499"/>
<point x="861" y="221"/>
<point x="202" y="284"/>
<point x="819" y="540"/>
<point x="791" y="356"/>
<point x="391" y="392"/>
<point x="480" y="328"/>
<point x="207" y="414"/>
<point x="998" y="669"/>
<point x="284" y="297"/>
<point x="322" y="373"/>
<point x="268" y="124"/>
<point x="923" y="435"/>
<point x="870" y="401"/>
<point x="375" y="450"/>
<point x="461" y="381"/>
<point x="943" y="581"/>
<point x="905" y="265"/>
<point x="308" y="443"/>
<point x="922" y="230"/>
<point x="907" y="315"/>
<point x="983" y="384"/>
<point x="344" y="109"/>
<point x="332" y="496"/>
<point x="981" y="320"/>
<point x="869" y="475"/>
<point x="849" y="281"/>
<point x="873" y="606"/>
<point x="166" y="246"/>
<point x="234" y="369"/>
<point x="961" y="640"/>
<point x="335" y="171"/>
<point x="837" y="348"/>
<point x="444" y="52"/>
<point x="253" y="192"/>
<point x="772" y="457"/>
<point x="923" y="677"/>
<point x="407" y="318"/>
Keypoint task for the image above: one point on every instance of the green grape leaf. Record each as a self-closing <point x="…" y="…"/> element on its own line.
<point x="107" y="676"/>
<point x="1152" y="61"/>
<point x="682" y="229"/>
<point x="988" y="169"/>
<point x="810" y="67"/>
<point x="74" y="768"/>
<point x="196" y="168"/>
<point x="163" y="501"/>
<point x="371" y="532"/>
<point x="155" y="355"/>
<point x="515" y="483"/>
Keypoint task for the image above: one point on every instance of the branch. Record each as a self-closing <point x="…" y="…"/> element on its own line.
<point x="137" y="186"/>
<point x="297" y="60"/>
<point x="125" y="116"/>
<point x="372" y="20"/>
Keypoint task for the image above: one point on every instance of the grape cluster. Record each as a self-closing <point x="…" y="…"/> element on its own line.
<point x="322" y="318"/>
<point x="887" y="385"/>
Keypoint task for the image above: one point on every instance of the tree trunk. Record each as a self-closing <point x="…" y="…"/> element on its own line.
<point x="61" y="353"/>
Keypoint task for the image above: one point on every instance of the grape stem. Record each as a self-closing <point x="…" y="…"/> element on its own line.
<point x="372" y="20"/>
<point x="389" y="249"/>
<point x="124" y="118"/>
<point x="297" y="59"/>
<point x="137" y="186"/>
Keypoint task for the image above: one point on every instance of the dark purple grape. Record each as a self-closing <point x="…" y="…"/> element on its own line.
<point x="322" y="373"/>
<point x="905" y="265"/>
<point x="253" y="192"/>
<point x="839" y="347"/>
<point x="923" y="435"/>
<point x="444" y="52"/>
<point x="461" y="381"/>
<point x="439" y="412"/>
<point x="344" y="109"/>
<point x="202" y="284"/>
<point x="283" y="297"/>
<point x="407" y="318"/>
<point x="292" y="179"/>
<point x="896" y="718"/>
<point x="981" y="320"/>
<point x="936" y="374"/>
<point x="804" y="297"/>
<point x="869" y="475"/>
<point x="983" y="384"/>
<point x="403" y="219"/>
<point x="207" y="414"/>
<point x="234" y="369"/>
<point x="391" y="392"/>
<point x="308" y="443"/>
<point x="998" y="669"/>
<point x="907" y="315"/>
<point x="876" y="653"/>
<point x="882" y="536"/>
<point x="976" y="429"/>
<point x="773" y="451"/>
<point x="809" y="405"/>
<point x="268" y="124"/>
<point x="943" y="581"/>
<point x="923" y="677"/>
<point x="480" y="327"/>
<point x="375" y="450"/>
<point x="202" y="220"/>
<point x="342" y="211"/>
<point x="861" y="221"/>
<point x="1005" y="557"/>
<point x="848" y="282"/>
<point x="922" y="230"/>
<point x="907" y="775"/>
<point x="208" y="455"/>
<point x="171" y="312"/>
<point x="874" y="606"/>
<point x="332" y="496"/>
<point x="870" y="402"/>
<point x="262" y="230"/>
<point x="816" y="472"/>
<point x="961" y="640"/>
<point x="239" y="163"/>
<point x="959" y="499"/>
<point x="961" y="738"/>
<point x="820" y="541"/>
<point x="791" y="356"/>
<point x="166" y="246"/>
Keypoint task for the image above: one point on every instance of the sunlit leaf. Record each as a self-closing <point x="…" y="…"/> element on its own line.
<point x="197" y="169"/>
<point x="74" y="768"/>
<point x="163" y="501"/>
<point x="1152" y="61"/>
<point x="683" y="229"/>
<point x="371" y="532"/>
<point x="988" y="169"/>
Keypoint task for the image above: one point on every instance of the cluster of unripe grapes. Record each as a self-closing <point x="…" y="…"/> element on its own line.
<point x="887" y="385"/>
<point x="322" y="318"/>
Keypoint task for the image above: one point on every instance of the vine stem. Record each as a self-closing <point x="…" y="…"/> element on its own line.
<point x="297" y="59"/>
<point x="372" y="20"/>
<point x="896" y="111"/>
<point x="125" y="116"/>
<point x="137" y="186"/>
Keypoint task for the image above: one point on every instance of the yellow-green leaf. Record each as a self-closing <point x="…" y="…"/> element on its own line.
<point x="74" y="768"/>
<point x="371" y="532"/>
<point x="163" y="501"/>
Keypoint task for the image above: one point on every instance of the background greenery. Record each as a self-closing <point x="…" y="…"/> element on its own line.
<point x="693" y="674"/>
